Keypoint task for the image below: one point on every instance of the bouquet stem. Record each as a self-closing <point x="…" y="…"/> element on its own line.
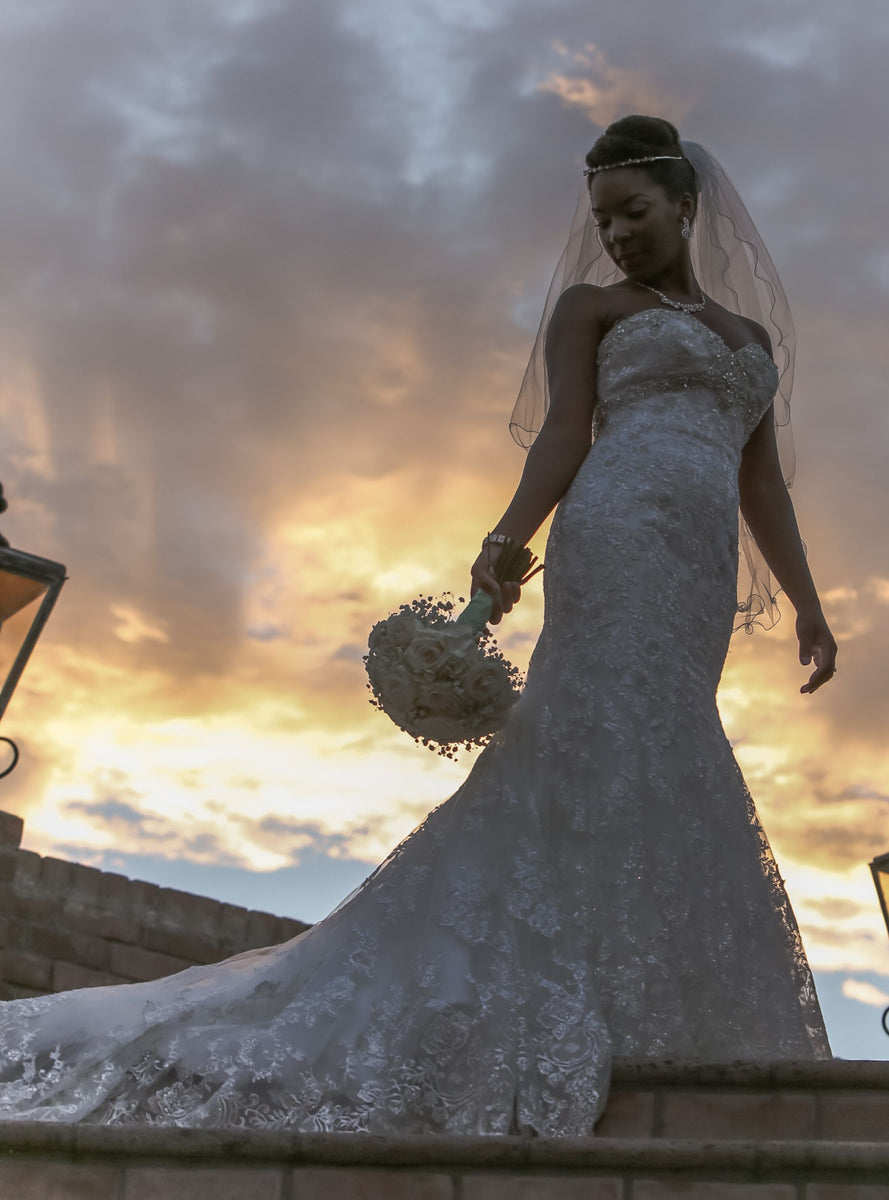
<point x="477" y="612"/>
<point x="513" y="565"/>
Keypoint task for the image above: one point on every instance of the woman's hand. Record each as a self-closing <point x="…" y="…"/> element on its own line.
<point x="816" y="644"/>
<point x="504" y="595"/>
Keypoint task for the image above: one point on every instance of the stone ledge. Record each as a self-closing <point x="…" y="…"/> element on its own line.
<point x="755" y="1160"/>
<point x="847" y="1074"/>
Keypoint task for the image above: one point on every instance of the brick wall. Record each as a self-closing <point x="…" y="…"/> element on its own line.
<point x="64" y="925"/>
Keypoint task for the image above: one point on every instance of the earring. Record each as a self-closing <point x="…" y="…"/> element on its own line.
<point x="686" y="228"/>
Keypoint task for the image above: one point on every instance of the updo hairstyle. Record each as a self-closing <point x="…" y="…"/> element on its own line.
<point x="639" y="137"/>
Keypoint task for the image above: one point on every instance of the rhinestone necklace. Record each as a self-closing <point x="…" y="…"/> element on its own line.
<point x="682" y="306"/>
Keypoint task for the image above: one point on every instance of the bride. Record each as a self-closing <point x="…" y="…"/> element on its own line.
<point x="600" y="886"/>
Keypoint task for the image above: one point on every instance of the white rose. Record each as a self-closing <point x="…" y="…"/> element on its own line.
<point x="438" y="700"/>
<point x="397" y="693"/>
<point x="487" y="683"/>
<point x="402" y="628"/>
<point x="426" y="652"/>
<point x="378" y="638"/>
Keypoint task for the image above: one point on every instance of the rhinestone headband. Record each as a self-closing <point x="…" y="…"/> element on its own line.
<point x="631" y="162"/>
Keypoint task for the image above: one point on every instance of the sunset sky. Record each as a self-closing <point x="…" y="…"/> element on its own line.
<point x="271" y="273"/>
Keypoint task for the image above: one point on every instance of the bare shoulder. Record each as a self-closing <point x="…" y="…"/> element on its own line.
<point x="582" y="308"/>
<point x="582" y="301"/>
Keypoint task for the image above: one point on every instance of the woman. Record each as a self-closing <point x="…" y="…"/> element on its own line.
<point x="600" y="885"/>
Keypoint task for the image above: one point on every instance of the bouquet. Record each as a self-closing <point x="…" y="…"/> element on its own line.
<point x="443" y="680"/>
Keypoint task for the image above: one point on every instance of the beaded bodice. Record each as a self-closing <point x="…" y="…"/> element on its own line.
<point x="673" y="355"/>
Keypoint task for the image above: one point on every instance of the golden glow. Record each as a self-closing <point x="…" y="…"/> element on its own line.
<point x="255" y="403"/>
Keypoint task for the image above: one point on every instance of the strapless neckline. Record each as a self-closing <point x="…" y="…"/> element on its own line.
<point x="622" y="322"/>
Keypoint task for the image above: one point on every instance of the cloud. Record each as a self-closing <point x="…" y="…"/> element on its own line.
<point x="350" y="653"/>
<point x="604" y="91"/>
<point x="110" y="810"/>
<point x="836" y="908"/>
<point x="270" y="278"/>
<point x="865" y="993"/>
<point x="835" y="845"/>
<point x="116" y="821"/>
<point x="861" y="792"/>
<point x="300" y="836"/>
<point x="133" y="627"/>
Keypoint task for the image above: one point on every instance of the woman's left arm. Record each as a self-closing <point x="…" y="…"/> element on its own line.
<point x="767" y="508"/>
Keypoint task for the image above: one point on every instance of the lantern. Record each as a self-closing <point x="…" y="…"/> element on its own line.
<point x="29" y="587"/>
<point x="879" y="868"/>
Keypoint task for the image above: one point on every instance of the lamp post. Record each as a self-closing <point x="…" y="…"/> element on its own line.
<point x="29" y="588"/>
<point x="879" y="868"/>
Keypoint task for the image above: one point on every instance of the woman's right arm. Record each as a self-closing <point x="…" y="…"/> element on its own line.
<point x="572" y="342"/>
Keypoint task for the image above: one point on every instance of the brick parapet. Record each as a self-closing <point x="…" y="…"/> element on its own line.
<point x="65" y="925"/>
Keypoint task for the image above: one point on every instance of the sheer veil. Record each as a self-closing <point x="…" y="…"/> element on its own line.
<point x="735" y="269"/>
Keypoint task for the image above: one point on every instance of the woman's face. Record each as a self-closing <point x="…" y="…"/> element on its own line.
<point x="640" y="226"/>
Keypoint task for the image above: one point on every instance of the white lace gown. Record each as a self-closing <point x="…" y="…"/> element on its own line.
<point x="600" y="885"/>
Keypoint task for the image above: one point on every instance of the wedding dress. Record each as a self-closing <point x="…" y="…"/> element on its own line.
<point x="599" y="886"/>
